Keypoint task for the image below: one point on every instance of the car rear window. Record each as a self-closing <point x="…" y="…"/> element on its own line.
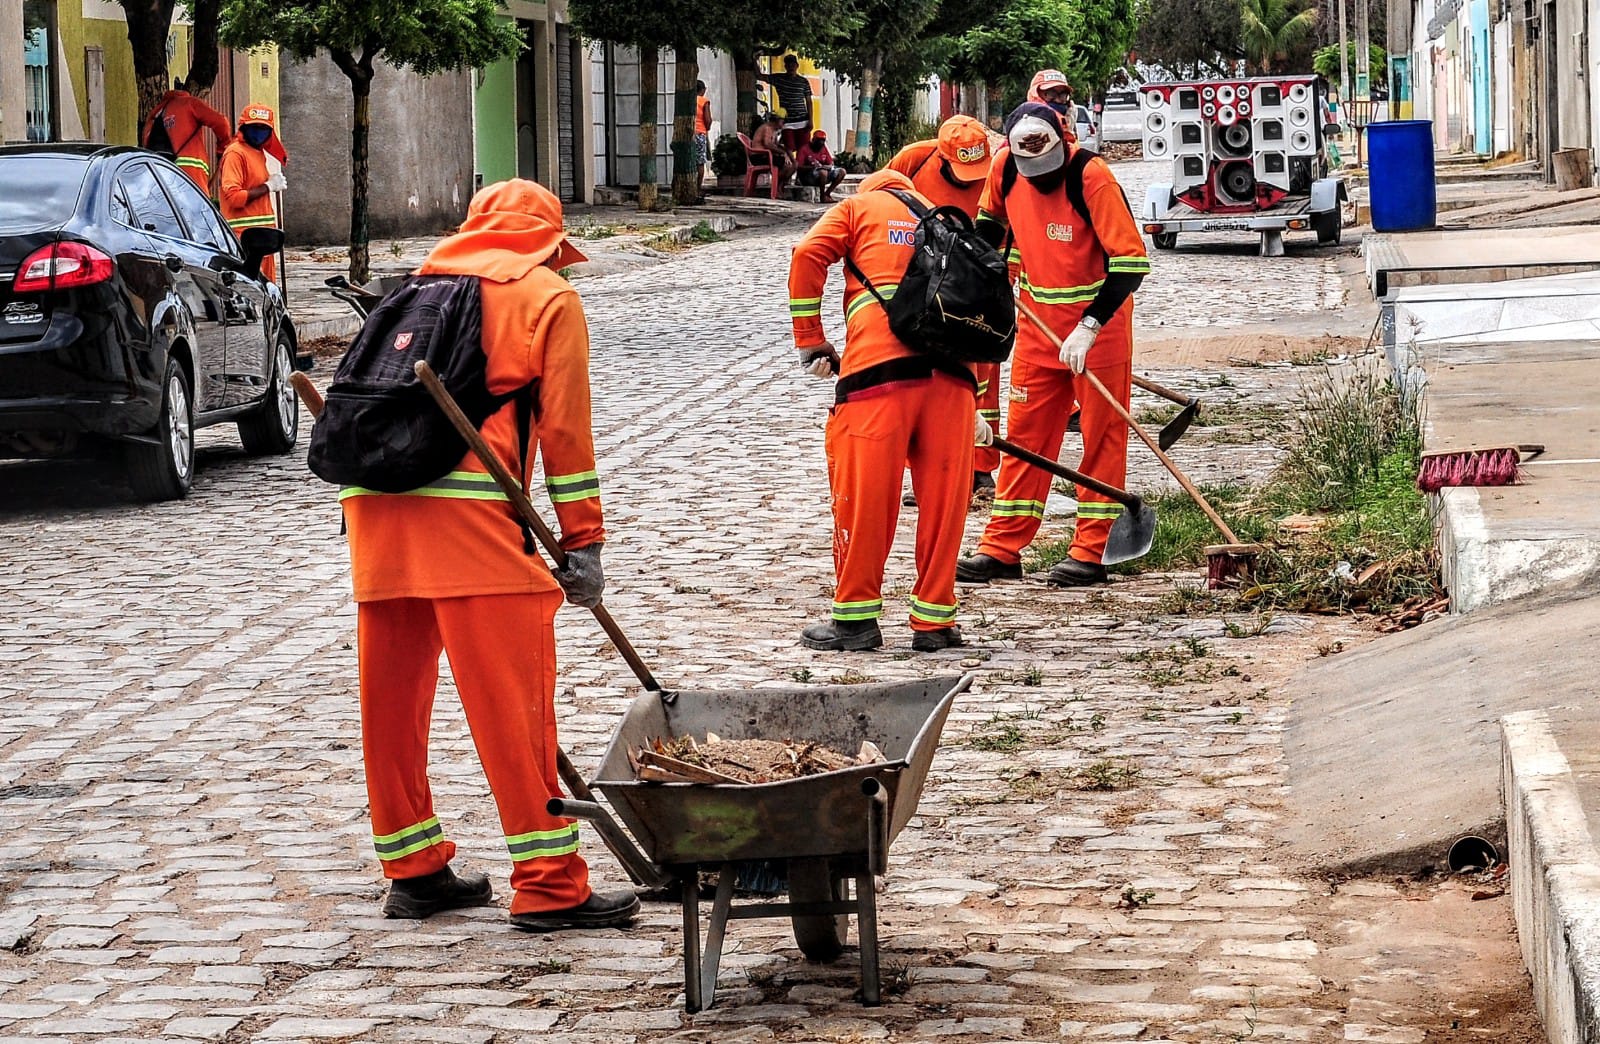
<point x="38" y="191"/>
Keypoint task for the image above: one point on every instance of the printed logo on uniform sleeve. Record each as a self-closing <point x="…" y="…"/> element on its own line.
<point x="972" y="153"/>
<point x="1017" y="393"/>
<point x="1059" y="233"/>
<point x="402" y="341"/>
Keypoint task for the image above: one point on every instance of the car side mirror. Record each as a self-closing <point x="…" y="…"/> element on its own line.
<point x="259" y="244"/>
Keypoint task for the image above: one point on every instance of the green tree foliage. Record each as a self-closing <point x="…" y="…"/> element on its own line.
<point x="1007" y="44"/>
<point x="1191" y="39"/>
<point x="1326" y="61"/>
<point x="1270" y="29"/>
<point x="773" y="27"/>
<point x="426" y="36"/>
<point x="889" y="56"/>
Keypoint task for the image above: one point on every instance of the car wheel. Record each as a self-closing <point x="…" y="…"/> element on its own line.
<point x="273" y="426"/>
<point x="1165" y="240"/>
<point x="164" y="469"/>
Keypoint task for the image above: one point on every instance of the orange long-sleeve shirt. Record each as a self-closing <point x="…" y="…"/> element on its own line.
<point x="465" y="539"/>
<point x="873" y="229"/>
<point x="920" y="161"/>
<point x="1061" y="260"/>
<point x="243" y="168"/>
<point x="184" y="116"/>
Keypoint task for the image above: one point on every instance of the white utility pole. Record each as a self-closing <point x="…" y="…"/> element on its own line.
<point x="1363" y="52"/>
<point x="1344" y="58"/>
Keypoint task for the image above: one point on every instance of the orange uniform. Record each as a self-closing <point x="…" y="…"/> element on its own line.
<point x="245" y="167"/>
<point x="932" y="166"/>
<point x="1063" y="260"/>
<point x="184" y="116"/>
<point x="445" y="567"/>
<point x="891" y="406"/>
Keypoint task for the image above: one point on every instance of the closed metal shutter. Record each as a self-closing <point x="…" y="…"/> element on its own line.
<point x="566" y="119"/>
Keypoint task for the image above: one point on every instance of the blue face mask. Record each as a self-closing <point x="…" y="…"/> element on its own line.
<point x="255" y="135"/>
<point x="1064" y="108"/>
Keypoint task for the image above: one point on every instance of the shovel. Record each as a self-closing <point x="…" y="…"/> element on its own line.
<point x="1174" y="428"/>
<point x="1134" y="530"/>
<point x="634" y="863"/>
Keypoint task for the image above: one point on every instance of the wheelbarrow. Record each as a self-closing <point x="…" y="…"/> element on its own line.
<point x="362" y="299"/>
<point x="831" y="831"/>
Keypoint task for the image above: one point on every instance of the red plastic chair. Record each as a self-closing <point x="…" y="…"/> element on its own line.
<point x="754" y="170"/>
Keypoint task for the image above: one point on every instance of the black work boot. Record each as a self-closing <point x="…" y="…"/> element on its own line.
<point x="608" y="910"/>
<point x="1073" y="573"/>
<point x="848" y="635"/>
<point x="982" y="484"/>
<point x="980" y="569"/>
<point x="414" y="898"/>
<point x="935" y="641"/>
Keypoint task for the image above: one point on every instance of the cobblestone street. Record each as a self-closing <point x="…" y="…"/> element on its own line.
<point x="186" y="853"/>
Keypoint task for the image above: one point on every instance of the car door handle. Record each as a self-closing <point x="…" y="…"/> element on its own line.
<point x="229" y="277"/>
<point x="173" y="262"/>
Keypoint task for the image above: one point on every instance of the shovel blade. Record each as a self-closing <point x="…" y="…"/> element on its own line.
<point x="1174" y="428"/>
<point x="1131" y="534"/>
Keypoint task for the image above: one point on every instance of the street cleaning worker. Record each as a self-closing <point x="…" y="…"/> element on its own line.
<point x="183" y="117"/>
<point x="251" y="174"/>
<point x="891" y="406"/>
<point x="950" y="170"/>
<point x="1050" y="87"/>
<point x="445" y="567"/>
<point x="1078" y="272"/>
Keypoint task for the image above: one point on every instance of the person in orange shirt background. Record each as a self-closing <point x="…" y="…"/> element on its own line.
<point x="252" y="170"/>
<point x="445" y="567"/>
<point x="183" y="117"/>
<point x="702" y="135"/>
<point x="891" y="406"/>
<point x="950" y="170"/>
<point x="1078" y="271"/>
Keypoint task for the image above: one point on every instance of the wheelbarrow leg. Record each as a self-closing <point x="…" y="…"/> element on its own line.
<point x="867" y="932"/>
<point x="716" y="930"/>
<point x="692" y="1001"/>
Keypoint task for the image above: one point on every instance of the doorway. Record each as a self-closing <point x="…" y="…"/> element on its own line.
<point x="38" y="83"/>
<point x="527" y="106"/>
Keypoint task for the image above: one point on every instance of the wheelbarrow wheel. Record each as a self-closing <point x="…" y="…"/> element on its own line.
<point x="820" y="936"/>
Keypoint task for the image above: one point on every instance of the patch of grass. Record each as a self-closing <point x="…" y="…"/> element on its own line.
<point x="850" y="677"/>
<point x="702" y="232"/>
<point x="1105" y="774"/>
<point x="1133" y="899"/>
<point x="802" y="676"/>
<point x="1183" y="531"/>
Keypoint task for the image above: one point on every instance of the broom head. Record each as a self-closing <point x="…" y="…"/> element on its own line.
<point x="1500" y="466"/>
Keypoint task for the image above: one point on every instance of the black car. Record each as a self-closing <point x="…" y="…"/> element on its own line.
<point x="130" y="316"/>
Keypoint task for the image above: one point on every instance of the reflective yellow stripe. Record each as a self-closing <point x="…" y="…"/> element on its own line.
<point x="415" y="838"/>
<point x="260" y="221"/>
<point x="1132" y="265"/>
<point x="865" y="298"/>
<point x="869" y="610"/>
<point x="803" y="307"/>
<point x="458" y="485"/>
<point x="191" y="161"/>
<point x="930" y="612"/>
<point x="564" y="489"/>
<point x="537" y="843"/>
<point x="1093" y="509"/>
<point x="1059" y="294"/>
<point x="1018" y="509"/>
<point x="989" y="415"/>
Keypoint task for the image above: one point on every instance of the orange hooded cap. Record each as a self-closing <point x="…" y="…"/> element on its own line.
<point x="1052" y="78"/>
<point x="256" y="113"/>
<point x="886" y="179"/>
<point x="512" y="227"/>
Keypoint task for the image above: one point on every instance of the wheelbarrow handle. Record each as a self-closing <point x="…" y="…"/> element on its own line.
<point x="1121" y="496"/>
<point x="512" y="488"/>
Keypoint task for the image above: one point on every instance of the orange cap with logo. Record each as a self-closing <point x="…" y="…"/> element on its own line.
<point x="258" y="113"/>
<point x="965" y="144"/>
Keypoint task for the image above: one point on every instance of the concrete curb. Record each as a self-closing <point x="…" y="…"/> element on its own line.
<point x="1555" y="879"/>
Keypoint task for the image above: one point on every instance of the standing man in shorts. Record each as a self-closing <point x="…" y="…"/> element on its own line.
<point x="702" y="136"/>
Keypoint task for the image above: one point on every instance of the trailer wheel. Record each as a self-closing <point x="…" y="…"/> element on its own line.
<point x="1165" y="240"/>
<point x="819" y="936"/>
<point x="1329" y="226"/>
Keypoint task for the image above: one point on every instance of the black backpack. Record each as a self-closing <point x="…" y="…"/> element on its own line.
<point x="954" y="301"/>
<point x="159" y="141"/>
<point x="380" y="429"/>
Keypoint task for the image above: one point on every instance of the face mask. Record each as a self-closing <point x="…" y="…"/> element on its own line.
<point x="1062" y="107"/>
<point x="256" y="135"/>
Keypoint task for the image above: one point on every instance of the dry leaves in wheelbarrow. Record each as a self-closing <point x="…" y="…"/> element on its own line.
<point x="683" y="759"/>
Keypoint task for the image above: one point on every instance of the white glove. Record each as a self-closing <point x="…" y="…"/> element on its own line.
<point x="1075" y="352"/>
<point x="982" y="433"/>
<point x="820" y="360"/>
<point x="277" y="183"/>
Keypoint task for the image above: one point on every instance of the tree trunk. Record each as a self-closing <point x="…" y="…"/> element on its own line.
<point x="862" y="146"/>
<point x="685" y="171"/>
<point x="360" y="74"/>
<point x="649" y="91"/>
<point x="744" y="79"/>
<point x="148" y="24"/>
<point x="203" y="69"/>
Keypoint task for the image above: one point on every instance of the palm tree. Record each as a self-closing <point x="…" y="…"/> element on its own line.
<point x="1269" y="28"/>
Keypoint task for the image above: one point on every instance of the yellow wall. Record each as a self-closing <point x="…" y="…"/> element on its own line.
<point x="262" y="83"/>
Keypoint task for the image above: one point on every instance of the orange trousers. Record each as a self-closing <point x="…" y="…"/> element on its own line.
<point x="1042" y="400"/>
<point x="502" y="652"/>
<point x="987" y="458"/>
<point x="928" y="424"/>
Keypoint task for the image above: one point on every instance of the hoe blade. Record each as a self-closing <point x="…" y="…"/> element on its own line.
<point x="1131" y="534"/>
<point x="1174" y="428"/>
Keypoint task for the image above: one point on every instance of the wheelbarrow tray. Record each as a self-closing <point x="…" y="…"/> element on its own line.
<point x="680" y="824"/>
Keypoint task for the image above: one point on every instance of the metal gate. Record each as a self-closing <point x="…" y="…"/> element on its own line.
<point x="567" y="136"/>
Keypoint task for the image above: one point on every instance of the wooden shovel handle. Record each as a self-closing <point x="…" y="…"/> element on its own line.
<point x="1183" y="480"/>
<point x="1166" y="393"/>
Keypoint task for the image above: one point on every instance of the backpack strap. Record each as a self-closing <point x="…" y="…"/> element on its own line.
<point x="527" y="407"/>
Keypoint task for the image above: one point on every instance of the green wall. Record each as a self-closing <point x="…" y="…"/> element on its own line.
<point x="495" y="120"/>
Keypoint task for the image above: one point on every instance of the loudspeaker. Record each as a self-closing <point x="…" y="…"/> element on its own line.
<point x="1268" y="96"/>
<point x="1272" y="168"/>
<point x="1299" y="93"/>
<point x="1187" y="99"/>
<point x="1233" y="140"/>
<point x="1189" y="139"/>
<point x="1269" y="133"/>
<point x="1236" y="182"/>
<point x="1302" y="143"/>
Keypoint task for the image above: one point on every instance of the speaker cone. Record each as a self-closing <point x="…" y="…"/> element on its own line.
<point x="1237" y="181"/>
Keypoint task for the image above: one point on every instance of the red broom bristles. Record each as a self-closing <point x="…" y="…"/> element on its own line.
<point x="1494" y="467"/>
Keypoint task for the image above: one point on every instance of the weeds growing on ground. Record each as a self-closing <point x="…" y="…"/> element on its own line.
<point x="702" y="232"/>
<point x="1108" y="775"/>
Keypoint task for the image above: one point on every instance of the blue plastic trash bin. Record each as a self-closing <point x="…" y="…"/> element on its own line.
<point x="1400" y="170"/>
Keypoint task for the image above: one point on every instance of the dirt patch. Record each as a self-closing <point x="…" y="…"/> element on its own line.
<point x="753" y="760"/>
<point x="326" y="347"/>
<point x="1210" y="349"/>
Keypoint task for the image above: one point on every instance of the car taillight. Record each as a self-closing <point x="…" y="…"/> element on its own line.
<point x="62" y="266"/>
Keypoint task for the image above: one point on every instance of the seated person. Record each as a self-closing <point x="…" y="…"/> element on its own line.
<point x="817" y="166"/>
<point x="769" y="139"/>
